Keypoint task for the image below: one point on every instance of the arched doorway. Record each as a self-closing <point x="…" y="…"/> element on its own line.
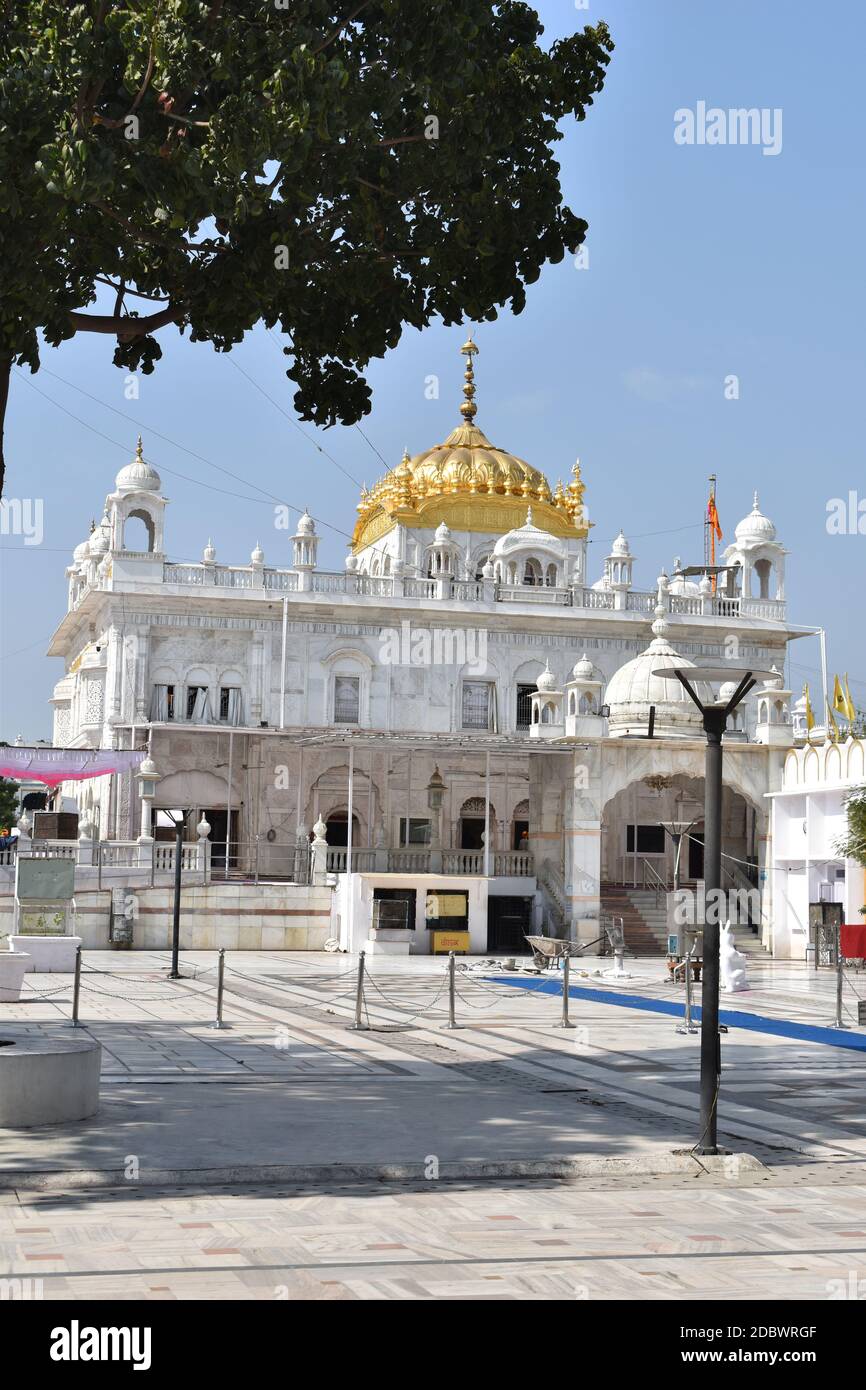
<point x="338" y="829"/>
<point x="472" y="822"/>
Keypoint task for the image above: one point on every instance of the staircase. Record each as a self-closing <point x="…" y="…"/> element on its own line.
<point x="644" y="921"/>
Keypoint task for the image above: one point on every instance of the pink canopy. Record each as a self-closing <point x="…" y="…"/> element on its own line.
<point x="55" y="765"/>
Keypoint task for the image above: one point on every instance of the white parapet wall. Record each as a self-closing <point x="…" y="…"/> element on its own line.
<point x="236" y="916"/>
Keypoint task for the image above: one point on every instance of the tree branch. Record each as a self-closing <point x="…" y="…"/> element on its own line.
<point x="125" y="328"/>
<point x="137" y="294"/>
<point x="338" y="31"/>
<point x="5" y="372"/>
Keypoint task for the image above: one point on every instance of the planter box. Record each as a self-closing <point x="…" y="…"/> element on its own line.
<point x="13" y="968"/>
<point x="48" y="955"/>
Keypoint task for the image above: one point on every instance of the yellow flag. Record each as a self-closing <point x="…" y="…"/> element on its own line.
<point x="851" y="708"/>
<point x="833" y="725"/>
<point x="839" y="704"/>
<point x="810" y="718"/>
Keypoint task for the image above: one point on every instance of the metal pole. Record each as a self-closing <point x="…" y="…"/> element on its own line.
<point x="710" y="1037"/>
<point x="220" y="980"/>
<point x="229" y="801"/>
<point x="257" y="861"/>
<point x="283" y="664"/>
<point x="174" y="973"/>
<point x="359" y="996"/>
<point x="452" y="991"/>
<point x="687" y="1026"/>
<point x="840" y="979"/>
<point x="566" y="969"/>
<point x="487" y="813"/>
<point x="99" y="865"/>
<point x="76" y="987"/>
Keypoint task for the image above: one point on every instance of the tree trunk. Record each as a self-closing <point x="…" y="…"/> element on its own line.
<point x="5" y="371"/>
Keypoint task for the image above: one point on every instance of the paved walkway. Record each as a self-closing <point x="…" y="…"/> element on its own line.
<point x="288" y="1087"/>
<point x="663" y="1238"/>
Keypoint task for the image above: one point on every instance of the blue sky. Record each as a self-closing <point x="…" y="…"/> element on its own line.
<point x="704" y="261"/>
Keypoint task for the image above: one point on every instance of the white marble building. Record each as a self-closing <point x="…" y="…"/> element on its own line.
<point x="467" y="634"/>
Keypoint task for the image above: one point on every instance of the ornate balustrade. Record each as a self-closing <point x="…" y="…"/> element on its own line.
<point x="463" y="590"/>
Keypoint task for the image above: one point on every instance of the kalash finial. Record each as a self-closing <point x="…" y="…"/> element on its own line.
<point x="139" y="451"/>
<point x="468" y="409"/>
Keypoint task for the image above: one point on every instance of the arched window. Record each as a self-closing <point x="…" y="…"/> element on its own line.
<point x="587" y="704"/>
<point x="138" y="532"/>
<point x="550" y="578"/>
<point x="532" y="572"/>
<point x="763" y="570"/>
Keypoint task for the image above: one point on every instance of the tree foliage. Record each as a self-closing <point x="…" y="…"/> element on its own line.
<point x="8" y="802"/>
<point x="852" y="845"/>
<point x="337" y="169"/>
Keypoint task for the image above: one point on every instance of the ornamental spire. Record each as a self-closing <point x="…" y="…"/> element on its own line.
<point x="468" y="409"/>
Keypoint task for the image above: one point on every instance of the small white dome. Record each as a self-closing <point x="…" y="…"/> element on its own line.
<point x="635" y="687"/>
<point x="755" y="527"/>
<point x="81" y="552"/>
<point x="209" y="552"/>
<point x="100" y="539"/>
<point x="547" y="680"/>
<point x="583" y="669"/>
<point x="529" y="536"/>
<point x="258" y="555"/>
<point x="773" y="682"/>
<point x="351" y="563"/>
<point x="443" y="533"/>
<point x="620" y="546"/>
<point x="306" y="525"/>
<point x="148" y="768"/>
<point x="726" y="691"/>
<point x="138" y="476"/>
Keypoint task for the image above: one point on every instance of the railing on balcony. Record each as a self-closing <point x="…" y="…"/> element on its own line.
<point x="467" y="590"/>
<point x="463" y="861"/>
<point x="528" y="593"/>
<point x="284" y="581"/>
<point x="419" y="588"/>
<point x="640" y="603"/>
<point x="375" y="586"/>
<point x="416" y="859"/>
<point x="597" y="598"/>
<point x="324" y="583"/>
<point x="513" y="863"/>
<point x="687" y="603"/>
<point x="363" y="860"/>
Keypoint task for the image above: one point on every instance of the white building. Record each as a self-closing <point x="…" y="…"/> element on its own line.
<point x="467" y="634"/>
<point x="808" y="821"/>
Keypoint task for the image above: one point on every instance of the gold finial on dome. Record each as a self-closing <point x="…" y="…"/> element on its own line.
<point x="469" y="409"/>
<point x="574" y="494"/>
<point x="139" y="451"/>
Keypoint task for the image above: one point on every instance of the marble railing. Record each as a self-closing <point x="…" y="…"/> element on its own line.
<point x="415" y="859"/>
<point x="253" y="578"/>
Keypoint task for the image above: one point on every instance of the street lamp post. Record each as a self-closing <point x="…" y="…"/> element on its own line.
<point x="178" y="820"/>
<point x="715" y="720"/>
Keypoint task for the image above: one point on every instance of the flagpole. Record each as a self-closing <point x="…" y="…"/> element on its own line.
<point x="823" y="638"/>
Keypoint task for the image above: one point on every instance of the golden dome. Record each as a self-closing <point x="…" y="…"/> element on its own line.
<point x="470" y="483"/>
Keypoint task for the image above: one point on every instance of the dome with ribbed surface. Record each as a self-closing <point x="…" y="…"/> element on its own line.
<point x="468" y="468"/>
<point x="635" y="688"/>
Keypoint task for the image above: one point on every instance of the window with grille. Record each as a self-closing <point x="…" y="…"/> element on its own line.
<point x="347" y="699"/>
<point x="524" y="705"/>
<point x="477" y="705"/>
